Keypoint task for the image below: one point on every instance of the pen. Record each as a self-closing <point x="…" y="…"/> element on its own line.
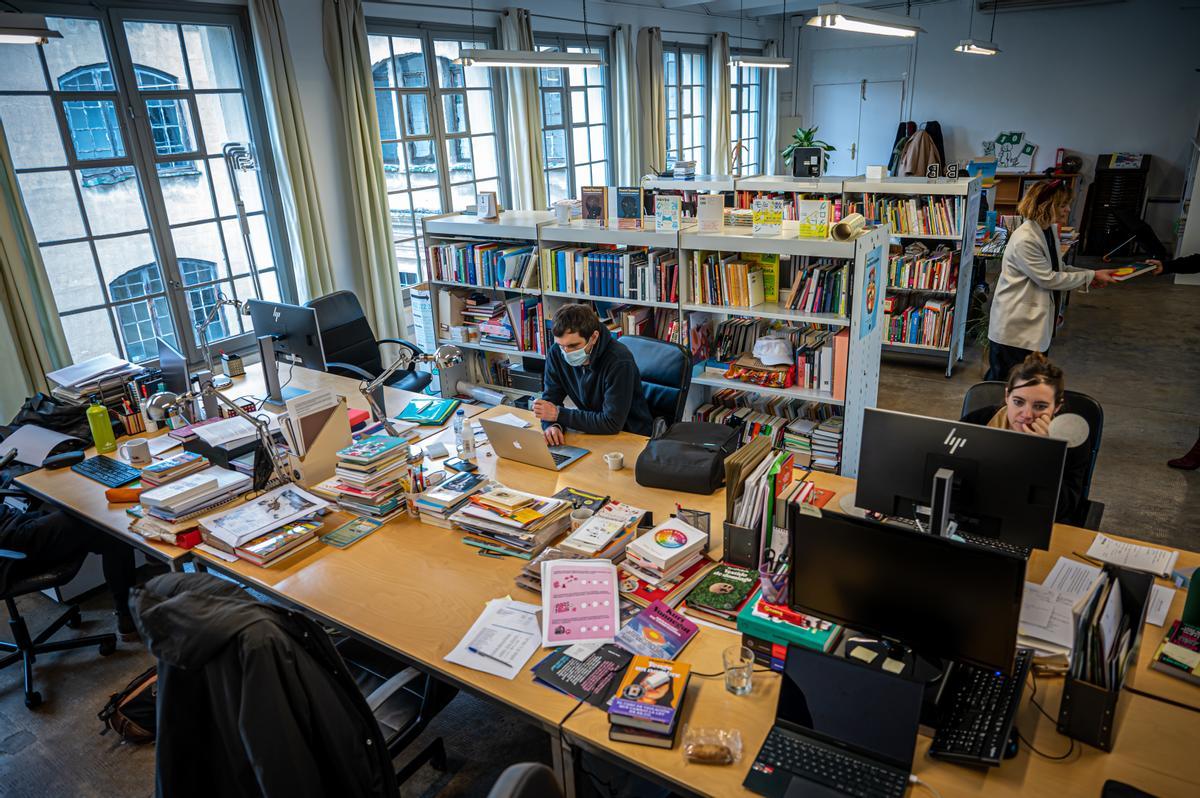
<point x="474" y="650"/>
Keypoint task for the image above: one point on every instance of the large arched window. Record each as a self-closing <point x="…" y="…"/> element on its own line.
<point x="137" y="326"/>
<point x="96" y="133"/>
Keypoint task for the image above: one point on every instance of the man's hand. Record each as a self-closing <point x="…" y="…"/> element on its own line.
<point x="545" y="411"/>
<point x="1156" y="263"/>
<point x="554" y="435"/>
<point x="1103" y="277"/>
<point x="1040" y="426"/>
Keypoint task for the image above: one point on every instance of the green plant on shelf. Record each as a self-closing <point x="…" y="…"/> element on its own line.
<point x="807" y="137"/>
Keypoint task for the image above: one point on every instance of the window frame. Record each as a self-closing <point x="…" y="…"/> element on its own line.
<point x="678" y="49"/>
<point x="434" y="95"/>
<point x="562" y="42"/>
<point x="135" y="127"/>
<point x="738" y="90"/>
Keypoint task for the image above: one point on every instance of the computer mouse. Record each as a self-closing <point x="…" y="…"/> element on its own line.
<point x="1014" y="744"/>
<point x="56" y="461"/>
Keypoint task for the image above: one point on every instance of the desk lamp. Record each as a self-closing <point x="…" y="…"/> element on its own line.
<point x="219" y="381"/>
<point x="445" y="357"/>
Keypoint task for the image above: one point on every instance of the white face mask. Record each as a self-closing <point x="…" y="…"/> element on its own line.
<point x="575" y="358"/>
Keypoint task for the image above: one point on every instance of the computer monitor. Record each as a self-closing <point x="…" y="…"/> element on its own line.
<point x="939" y="597"/>
<point x="175" y="375"/>
<point x="285" y="332"/>
<point x="1003" y="484"/>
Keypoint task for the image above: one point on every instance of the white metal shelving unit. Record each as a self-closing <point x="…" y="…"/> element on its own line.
<point x="964" y="243"/>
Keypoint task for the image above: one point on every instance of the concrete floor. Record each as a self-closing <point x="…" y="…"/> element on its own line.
<point x="1133" y="347"/>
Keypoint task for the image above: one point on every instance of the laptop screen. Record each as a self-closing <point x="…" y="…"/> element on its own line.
<point x="851" y="706"/>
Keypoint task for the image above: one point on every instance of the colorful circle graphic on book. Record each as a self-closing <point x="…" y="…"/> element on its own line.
<point x="653" y="635"/>
<point x="670" y="538"/>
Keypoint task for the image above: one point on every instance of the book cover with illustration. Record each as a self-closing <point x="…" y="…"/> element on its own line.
<point x="629" y="208"/>
<point x="650" y="694"/>
<point x="657" y="631"/>
<point x="369" y="450"/>
<point x="724" y="589"/>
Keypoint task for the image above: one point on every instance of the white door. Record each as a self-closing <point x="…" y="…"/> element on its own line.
<point x="835" y="112"/>
<point x="881" y="103"/>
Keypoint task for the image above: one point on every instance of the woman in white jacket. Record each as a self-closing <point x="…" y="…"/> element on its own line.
<point x="1025" y="305"/>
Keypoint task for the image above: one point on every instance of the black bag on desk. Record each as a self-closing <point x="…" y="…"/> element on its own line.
<point x="50" y="413"/>
<point x="689" y="457"/>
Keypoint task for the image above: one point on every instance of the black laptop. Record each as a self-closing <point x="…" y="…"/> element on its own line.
<point x="840" y="729"/>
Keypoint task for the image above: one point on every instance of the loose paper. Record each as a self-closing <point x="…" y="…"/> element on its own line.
<point x="579" y="601"/>
<point x="1071" y="577"/>
<point x="1130" y="555"/>
<point x="1037" y="604"/>
<point x="511" y="420"/>
<point x="226" y="431"/>
<point x="501" y="640"/>
<point x="33" y="443"/>
<point x="1160" y="604"/>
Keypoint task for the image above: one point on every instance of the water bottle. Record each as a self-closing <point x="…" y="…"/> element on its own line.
<point x="459" y="418"/>
<point x="101" y="427"/>
<point x="468" y="441"/>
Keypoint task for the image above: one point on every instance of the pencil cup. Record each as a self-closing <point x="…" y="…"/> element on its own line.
<point x="774" y="585"/>
<point x="134" y="423"/>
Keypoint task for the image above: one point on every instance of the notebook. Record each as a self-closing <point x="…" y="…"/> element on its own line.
<point x="429" y="412"/>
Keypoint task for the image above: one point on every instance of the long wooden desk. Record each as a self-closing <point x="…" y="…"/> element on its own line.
<point x="84" y="498"/>
<point x="415" y="589"/>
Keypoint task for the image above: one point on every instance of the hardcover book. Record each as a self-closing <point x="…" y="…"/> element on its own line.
<point x="629" y="208"/>
<point x="724" y="589"/>
<point x="668" y="213"/>
<point x="657" y="631"/>
<point x="594" y="203"/>
<point x="371" y="449"/>
<point x="766" y="217"/>
<point x="650" y="694"/>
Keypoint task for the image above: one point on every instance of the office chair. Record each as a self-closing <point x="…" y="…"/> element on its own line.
<point x="350" y="344"/>
<point x="991" y="394"/>
<point x="666" y="370"/>
<point x="22" y="579"/>
<point x="526" y="780"/>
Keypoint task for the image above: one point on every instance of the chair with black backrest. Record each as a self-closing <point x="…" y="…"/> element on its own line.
<point x="991" y="394"/>
<point x="526" y="780"/>
<point x="666" y="370"/>
<point x="351" y="346"/>
<point x="22" y="579"/>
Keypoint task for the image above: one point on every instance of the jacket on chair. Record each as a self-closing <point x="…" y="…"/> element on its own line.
<point x="254" y="700"/>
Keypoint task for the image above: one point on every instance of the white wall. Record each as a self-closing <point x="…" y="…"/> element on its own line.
<point x="1092" y="79"/>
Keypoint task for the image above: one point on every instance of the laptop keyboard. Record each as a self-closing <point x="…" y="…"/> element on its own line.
<point x="844" y="772"/>
<point x="999" y="545"/>
<point x="559" y="459"/>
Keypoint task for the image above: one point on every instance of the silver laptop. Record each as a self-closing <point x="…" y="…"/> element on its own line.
<point x="527" y="445"/>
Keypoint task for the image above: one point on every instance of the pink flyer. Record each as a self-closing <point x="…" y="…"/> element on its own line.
<point x="579" y="601"/>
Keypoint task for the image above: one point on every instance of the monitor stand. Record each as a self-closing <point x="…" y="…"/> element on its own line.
<point x="939" y="509"/>
<point x="267" y="354"/>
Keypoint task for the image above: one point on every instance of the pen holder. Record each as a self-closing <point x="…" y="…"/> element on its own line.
<point x="1088" y="712"/>
<point x="774" y="584"/>
<point x="133" y="423"/>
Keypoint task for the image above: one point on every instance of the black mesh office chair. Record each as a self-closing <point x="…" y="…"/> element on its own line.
<point x="991" y="395"/>
<point x="21" y="579"/>
<point x="351" y="346"/>
<point x="526" y="780"/>
<point x="666" y="370"/>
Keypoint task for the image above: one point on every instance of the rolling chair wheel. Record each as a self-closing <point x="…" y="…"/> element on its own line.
<point x="107" y="647"/>
<point x="75" y="620"/>
<point x="33" y="700"/>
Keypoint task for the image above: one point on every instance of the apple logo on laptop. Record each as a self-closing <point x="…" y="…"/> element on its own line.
<point x="516" y="444"/>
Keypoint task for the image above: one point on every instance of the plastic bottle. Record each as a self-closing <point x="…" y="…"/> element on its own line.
<point x="101" y="427"/>
<point x="468" y="441"/>
<point x="460" y="418"/>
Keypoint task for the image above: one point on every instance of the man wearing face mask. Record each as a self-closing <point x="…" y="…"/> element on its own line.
<point x="598" y="373"/>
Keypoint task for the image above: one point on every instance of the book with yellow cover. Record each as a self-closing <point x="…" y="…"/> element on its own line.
<point x="650" y="694"/>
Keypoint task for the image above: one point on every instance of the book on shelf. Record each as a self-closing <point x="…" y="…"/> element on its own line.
<point x="813" y="218"/>
<point x="629" y="208"/>
<point x="650" y="695"/>
<point x="594" y="201"/>
<point x="726" y="279"/>
<point x="822" y="287"/>
<point x="916" y="216"/>
<point x="487" y="264"/>
<point x="710" y="212"/>
<point x="917" y="268"/>
<point x="668" y="213"/>
<point x="767" y="217"/>
<point x="909" y="320"/>
<point x="1179" y="653"/>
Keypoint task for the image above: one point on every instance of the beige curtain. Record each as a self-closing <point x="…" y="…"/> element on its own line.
<point x="34" y="342"/>
<point x="349" y="60"/>
<point x="313" y="267"/>
<point x="527" y="185"/>
<point x="770" y="112"/>
<point x="652" y="111"/>
<point x="622" y="66"/>
<point x="718" y="105"/>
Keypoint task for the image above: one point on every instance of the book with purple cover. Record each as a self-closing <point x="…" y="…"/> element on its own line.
<point x="657" y="631"/>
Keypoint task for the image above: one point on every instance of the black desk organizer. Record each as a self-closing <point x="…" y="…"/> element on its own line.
<point x="1090" y="713"/>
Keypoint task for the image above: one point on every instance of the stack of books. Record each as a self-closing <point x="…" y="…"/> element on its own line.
<point x="173" y="468"/>
<point x="74" y="383"/>
<point x="827" y="445"/>
<point x="649" y="702"/>
<point x="512" y="522"/>
<point x="665" y="552"/>
<point x="170" y="512"/>
<point x="607" y="533"/>
<point x="720" y="595"/>
<point x="768" y="629"/>
<point x="797" y="439"/>
<point x="684" y="169"/>
<point x="371" y="477"/>
<point x="670" y="592"/>
<point x="266" y="550"/>
<point x="530" y="576"/>
<point x="440" y="502"/>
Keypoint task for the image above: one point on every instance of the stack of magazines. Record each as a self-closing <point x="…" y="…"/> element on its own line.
<point x="371" y="477"/>
<point x="512" y="522"/>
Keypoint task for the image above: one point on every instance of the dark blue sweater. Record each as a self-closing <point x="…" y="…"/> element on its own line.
<point x="607" y="390"/>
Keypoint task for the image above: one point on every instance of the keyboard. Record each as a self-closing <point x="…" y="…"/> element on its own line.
<point x="844" y="772"/>
<point x="559" y="459"/>
<point x="979" y="708"/>
<point x="107" y="471"/>
<point x="998" y="545"/>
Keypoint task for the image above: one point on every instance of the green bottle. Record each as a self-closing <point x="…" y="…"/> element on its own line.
<point x="102" y="432"/>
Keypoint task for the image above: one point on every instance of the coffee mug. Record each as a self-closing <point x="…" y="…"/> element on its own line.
<point x="562" y="212"/>
<point x="615" y="460"/>
<point x="136" y="451"/>
<point x="579" y="517"/>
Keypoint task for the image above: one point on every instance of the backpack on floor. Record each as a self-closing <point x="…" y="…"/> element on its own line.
<point x="131" y="712"/>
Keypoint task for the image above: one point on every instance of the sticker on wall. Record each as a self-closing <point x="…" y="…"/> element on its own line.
<point x="872" y="295"/>
<point x="1011" y="151"/>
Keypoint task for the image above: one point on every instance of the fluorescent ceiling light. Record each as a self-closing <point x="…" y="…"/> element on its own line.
<point x="760" y="61"/>
<point x="527" y="58"/>
<point x="839" y="16"/>
<point x="25" y="29"/>
<point x="976" y="47"/>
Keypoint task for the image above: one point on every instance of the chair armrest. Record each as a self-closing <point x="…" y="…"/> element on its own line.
<point x="389" y="688"/>
<point x="9" y="554"/>
<point x="13" y="493"/>
<point x="398" y="342"/>
<point x="363" y="373"/>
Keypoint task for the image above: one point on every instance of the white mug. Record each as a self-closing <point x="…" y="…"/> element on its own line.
<point x="562" y="212"/>
<point x="615" y="460"/>
<point x="136" y="451"/>
<point x="579" y="517"/>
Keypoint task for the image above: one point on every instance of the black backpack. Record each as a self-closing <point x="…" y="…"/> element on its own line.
<point x="132" y="713"/>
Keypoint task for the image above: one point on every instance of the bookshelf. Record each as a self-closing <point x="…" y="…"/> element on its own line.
<point x="482" y="359"/>
<point x="791" y="189"/>
<point x="894" y="199"/>
<point x="862" y="332"/>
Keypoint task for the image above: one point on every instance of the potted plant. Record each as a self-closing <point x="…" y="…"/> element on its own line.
<point x="806" y="137"/>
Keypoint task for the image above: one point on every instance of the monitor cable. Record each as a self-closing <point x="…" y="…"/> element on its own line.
<point x="916" y="781"/>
